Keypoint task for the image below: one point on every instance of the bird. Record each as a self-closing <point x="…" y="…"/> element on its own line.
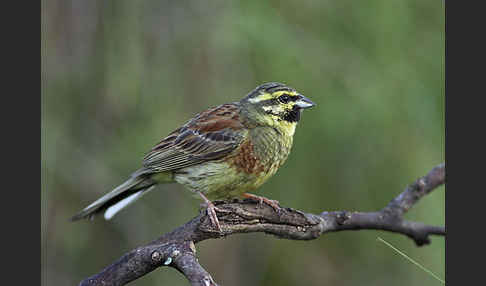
<point x="222" y="153"/>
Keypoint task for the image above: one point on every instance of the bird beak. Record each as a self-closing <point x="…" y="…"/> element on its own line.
<point x="303" y="102"/>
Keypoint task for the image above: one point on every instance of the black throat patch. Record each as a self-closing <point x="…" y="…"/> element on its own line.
<point x="292" y="115"/>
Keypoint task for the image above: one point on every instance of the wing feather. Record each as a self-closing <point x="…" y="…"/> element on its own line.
<point x="210" y="135"/>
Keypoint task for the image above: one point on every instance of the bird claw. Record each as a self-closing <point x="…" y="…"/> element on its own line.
<point x="273" y="203"/>
<point x="211" y="211"/>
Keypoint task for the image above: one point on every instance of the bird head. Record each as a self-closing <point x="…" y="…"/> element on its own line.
<point x="275" y="104"/>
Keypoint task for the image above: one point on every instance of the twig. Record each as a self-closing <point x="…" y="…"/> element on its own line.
<point x="176" y="249"/>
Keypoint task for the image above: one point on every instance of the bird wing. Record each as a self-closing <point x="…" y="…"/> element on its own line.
<point x="210" y="135"/>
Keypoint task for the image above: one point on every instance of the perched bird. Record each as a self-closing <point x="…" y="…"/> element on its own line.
<point x="222" y="153"/>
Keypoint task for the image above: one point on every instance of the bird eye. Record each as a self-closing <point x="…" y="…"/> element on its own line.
<point x="285" y="98"/>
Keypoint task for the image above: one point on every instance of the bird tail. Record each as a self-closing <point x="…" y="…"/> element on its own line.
<point x="119" y="198"/>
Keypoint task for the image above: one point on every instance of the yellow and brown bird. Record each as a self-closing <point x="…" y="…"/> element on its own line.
<point x="222" y="153"/>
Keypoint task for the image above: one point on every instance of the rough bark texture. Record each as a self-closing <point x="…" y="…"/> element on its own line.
<point x="176" y="249"/>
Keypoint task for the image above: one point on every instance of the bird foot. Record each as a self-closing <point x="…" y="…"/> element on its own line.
<point x="273" y="203"/>
<point x="211" y="212"/>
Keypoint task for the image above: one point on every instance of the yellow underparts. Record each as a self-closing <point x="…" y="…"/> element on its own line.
<point x="217" y="180"/>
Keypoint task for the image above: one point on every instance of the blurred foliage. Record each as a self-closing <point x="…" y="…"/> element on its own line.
<point x="117" y="76"/>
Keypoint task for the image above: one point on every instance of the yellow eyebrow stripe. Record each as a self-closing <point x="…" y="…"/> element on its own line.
<point x="261" y="97"/>
<point x="279" y="93"/>
<point x="266" y="96"/>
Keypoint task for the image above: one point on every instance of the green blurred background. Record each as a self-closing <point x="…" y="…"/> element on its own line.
<point x="117" y="76"/>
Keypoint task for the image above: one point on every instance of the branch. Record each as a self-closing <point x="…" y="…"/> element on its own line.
<point x="176" y="249"/>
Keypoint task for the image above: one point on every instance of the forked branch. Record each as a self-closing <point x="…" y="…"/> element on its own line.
<point x="176" y="249"/>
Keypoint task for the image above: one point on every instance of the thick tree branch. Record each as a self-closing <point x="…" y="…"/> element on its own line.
<point x="176" y="249"/>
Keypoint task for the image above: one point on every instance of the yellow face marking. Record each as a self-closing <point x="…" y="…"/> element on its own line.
<point x="279" y="93"/>
<point x="261" y="97"/>
<point x="275" y="109"/>
<point x="274" y="120"/>
<point x="265" y="95"/>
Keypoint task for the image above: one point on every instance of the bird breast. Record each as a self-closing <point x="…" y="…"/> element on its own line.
<point x="258" y="158"/>
<point x="271" y="147"/>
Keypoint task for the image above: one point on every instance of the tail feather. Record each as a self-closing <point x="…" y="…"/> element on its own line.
<point x="121" y="196"/>
<point x="114" y="209"/>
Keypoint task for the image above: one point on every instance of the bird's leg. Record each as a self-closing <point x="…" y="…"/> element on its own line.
<point x="211" y="211"/>
<point x="273" y="203"/>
